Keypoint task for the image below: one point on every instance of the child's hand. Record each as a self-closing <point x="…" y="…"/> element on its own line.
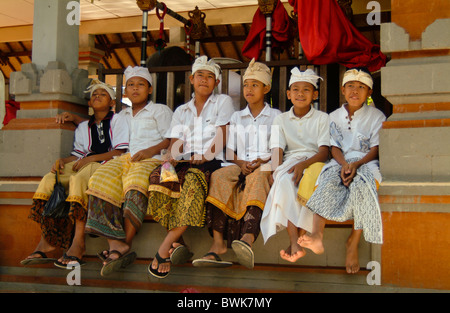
<point x="348" y="172"/>
<point x="59" y="164"/>
<point x="246" y="168"/>
<point x="298" y="172"/>
<point x="78" y="165"/>
<point x="64" y="117"/>
<point x="144" y="154"/>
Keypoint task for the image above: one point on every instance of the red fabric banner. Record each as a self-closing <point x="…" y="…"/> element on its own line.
<point x="256" y="39"/>
<point x="327" y="36"/>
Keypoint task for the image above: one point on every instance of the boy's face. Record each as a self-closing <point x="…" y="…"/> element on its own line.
<point x="356" y="93"/>
<point x="254" y="91"/>
<point x="204" y="82"/>
<point x="101" y="100"/>
<point x="302" y="94"/>
<point x="137" y="89"/>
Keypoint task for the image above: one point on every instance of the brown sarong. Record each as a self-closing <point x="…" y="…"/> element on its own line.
<point x="226" y="195"/>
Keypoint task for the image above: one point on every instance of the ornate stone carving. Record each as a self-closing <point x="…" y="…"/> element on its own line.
<point x="199" y="29"/>
<point x="267" y="6"/>
<point x="146" y="5"/>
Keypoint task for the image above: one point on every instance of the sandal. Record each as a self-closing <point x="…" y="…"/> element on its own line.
<point x="114" y="265"/>
<point x="217" y="262"/>
<point x="69" y="266"/>
<point x="180" y="255"/>
<point x="155" y="272"/>
<point x="244" y="253"/>
<point x="34" y="261"/>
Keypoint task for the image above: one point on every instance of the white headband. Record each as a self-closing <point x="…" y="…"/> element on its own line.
<point x="138" y="71"/>
<point x="359" y="76"/>
<point x="202" y="63"/>
<point x="259" y="72"/>
<point x="308" y="76"/>
<point x="96" y="84"/>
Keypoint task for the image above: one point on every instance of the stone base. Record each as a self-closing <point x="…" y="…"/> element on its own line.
<point x="25" y="153"/>
<point x="415" y="154"/>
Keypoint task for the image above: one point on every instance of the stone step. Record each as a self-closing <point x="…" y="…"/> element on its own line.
<point x="235" y="279"/>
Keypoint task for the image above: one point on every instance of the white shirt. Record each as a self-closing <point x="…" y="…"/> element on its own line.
<point x="118" y="133"/>
<point x="198" y="131"/>
<point x="300" y="135"/>
<point x="148" y="126"/>
<point x="249" y="136"/>
<point x="356" y="137"/>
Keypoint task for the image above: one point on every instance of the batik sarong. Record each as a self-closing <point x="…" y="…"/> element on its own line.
<point x="107" y="220"/>
<point x="182" y="203"/>
<point x="336" y="202"/>
<point x="58" y="232"/>
<point x="230" y="228"/>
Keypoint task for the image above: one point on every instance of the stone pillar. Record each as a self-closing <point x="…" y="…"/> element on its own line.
<point x="89" y="56"/>
<point x="30" y="144"/>
<point x="415" y="145"/>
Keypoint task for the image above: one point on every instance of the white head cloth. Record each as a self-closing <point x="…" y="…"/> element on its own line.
<point x="202" y="63"/>
<point x="96" y="84"/>
<point x="138" y="71"/>
<point x="259" y="72"/>
<point x="308" y="76"/>
<point x="359" y="76"/>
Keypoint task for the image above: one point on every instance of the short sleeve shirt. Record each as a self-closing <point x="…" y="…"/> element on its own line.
<point x="198" y="131"/>
<point x="357" y="136"/>
<point x="249" y="136"/>
<point x="118" y="134"/>
<point x="148" y="126"/>
<point x="300" y="135"/>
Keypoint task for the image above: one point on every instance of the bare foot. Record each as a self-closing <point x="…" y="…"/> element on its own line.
<point x="74" y="250"/>
<point x="292" y="253"/>
<point x="117" y="245"/>
<point x="217" y="248"/>
<point x="352" y="258"/>
<point x="42" y="246"/>
<point x="314" y="243"/>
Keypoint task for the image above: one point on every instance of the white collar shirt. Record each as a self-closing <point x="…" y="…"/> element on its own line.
<point x="148" y="126"/>
<point x="118" y="133"/>
<point x="249" y="136"/>
<point x="357" y="136"/>
<point x="198" y="131"/>
<point x="300" y="136"/>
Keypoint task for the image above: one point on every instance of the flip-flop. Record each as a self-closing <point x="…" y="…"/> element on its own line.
<point x="154" y="272"/>
<point x="102" y="256"/>
<point x="69" y="266"/>
<point x="180" y="255"/>
<point x="244" y="253"/>
<point x="217" y="262"/>
<point x="114" y="265"/>
<point x="34" y="261"/>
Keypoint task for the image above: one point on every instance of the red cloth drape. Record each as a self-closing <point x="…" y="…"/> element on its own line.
<point x="256" y="39"/>
<point x="327" y="36"/>
<point x="11" y="109"/>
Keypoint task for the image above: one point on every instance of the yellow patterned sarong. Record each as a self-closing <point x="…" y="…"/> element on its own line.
<point x="118" y="176"/>
<point x="75" y="183"/>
